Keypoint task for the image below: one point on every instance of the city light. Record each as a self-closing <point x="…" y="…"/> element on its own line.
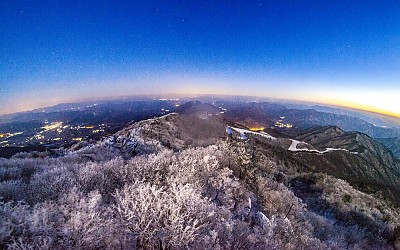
<point x="52" y="126"/>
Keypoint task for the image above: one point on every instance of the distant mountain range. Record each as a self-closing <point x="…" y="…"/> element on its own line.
<point x="251" y="114"/>
<point x="370" y="117"/>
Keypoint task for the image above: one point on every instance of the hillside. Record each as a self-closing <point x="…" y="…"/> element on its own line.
<point x="194" y="179"/>
<point x="366" y="163"/>
<point x="393" y="144"/>
<point x="270" y="114"/>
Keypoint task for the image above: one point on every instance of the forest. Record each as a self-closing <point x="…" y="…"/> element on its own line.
<point x="223" y="196"/>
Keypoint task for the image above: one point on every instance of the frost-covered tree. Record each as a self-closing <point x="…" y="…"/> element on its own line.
<point x="225" y="196"/>
<point x="162" y="218"/>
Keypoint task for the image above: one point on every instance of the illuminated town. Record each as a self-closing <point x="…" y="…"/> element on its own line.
<point x="69" y="124"/>
<point x="53" y="134"/>
<point x="281" y="124"/>
<point x="256" y="129"/>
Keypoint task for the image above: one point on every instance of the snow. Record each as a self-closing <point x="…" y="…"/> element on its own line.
<point x="293" y="147"/>
<point x="263" y="220"/>
<point x="243" y="133"/>
<point x="136" y="132"/>
<point x="156" y="118"/>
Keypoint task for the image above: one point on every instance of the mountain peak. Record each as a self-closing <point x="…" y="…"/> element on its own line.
<point x="197" y="107"/>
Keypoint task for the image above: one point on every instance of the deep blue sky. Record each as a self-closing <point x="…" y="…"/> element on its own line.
<point x="345" y="52"/>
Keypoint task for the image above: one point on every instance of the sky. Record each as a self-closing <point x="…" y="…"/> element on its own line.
<point x="336" y="52"/>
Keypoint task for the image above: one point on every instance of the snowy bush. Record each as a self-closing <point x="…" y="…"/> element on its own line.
<point x="162" y="218"/>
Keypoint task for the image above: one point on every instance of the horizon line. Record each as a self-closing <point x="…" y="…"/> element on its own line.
<point x="338" y="104"/>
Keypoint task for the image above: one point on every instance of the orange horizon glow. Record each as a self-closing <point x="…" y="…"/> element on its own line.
<point x="367" y="108"/>
<point x="360" y="107"/>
